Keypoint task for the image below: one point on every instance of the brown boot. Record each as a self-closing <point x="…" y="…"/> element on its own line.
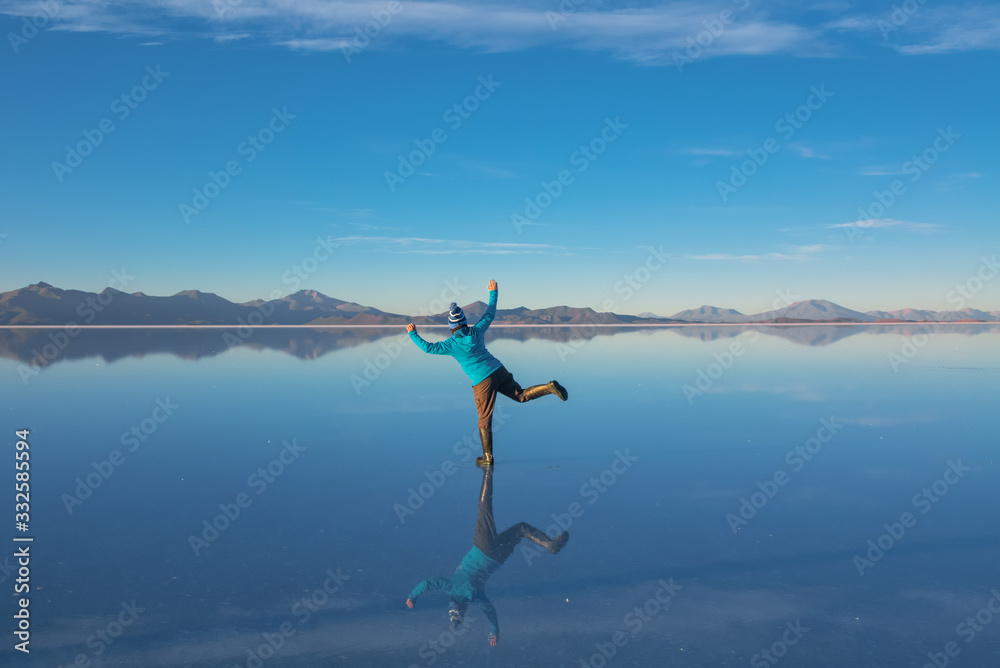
<point x="551" y="387"/>
<point x="542" y="539"/>
<point x="486" y="436"/>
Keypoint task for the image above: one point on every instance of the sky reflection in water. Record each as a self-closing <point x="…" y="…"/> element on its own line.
<point x="345" y="522"/>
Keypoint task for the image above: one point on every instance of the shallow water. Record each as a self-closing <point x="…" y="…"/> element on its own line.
<point x="829" y="434"/>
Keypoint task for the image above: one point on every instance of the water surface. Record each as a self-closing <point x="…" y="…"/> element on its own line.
<point x="829" y="434"/>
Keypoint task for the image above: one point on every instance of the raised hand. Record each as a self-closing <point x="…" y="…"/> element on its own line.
<point x="493" y="284"/>
<point x="409" y="603"/>
<point x="411" y="328"/>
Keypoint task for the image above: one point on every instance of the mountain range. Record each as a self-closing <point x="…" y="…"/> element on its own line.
<point x="43" y="304"/>
<point x="821" y="310"/>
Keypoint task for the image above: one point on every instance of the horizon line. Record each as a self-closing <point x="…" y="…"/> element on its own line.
<point x="814" y="323"/>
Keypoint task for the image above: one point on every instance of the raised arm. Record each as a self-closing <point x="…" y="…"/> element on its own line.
<point x="430" y="584"/>
<point x="441" y="348"/>
<point x="491" y="309"/>
<point x="491" y="614"/>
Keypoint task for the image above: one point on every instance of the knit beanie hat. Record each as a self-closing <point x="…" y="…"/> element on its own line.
<point x="456" y="317"/>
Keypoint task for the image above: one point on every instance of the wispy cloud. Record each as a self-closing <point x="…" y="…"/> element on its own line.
<point x="807" y="151"/>
<point x="709" y="151"/>
<point x="947" y="30"/>
<point x="742" y="258"/>
<point x="426" y="246"/>
<point x="323" y="44"/>
<point x="645" y="34"/>
<point x="469" y="251"/>
<point x="930" y="30"/>
<point x="795" y="253"/>
<point x="852" y="23"/>
<point x="648" y="34"/>
<point x="812" y="248"/>
<point x="881" y="223"/>
<point x="232" y="37"/>
<point x="881" y="170"/>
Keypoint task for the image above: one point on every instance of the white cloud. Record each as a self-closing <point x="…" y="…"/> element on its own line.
<point x="469" y="251"/>
<point x="316" y="44"/>
<point x="881" y="170"/>
<point x="878" y="223"/>
<point x="947" y="30"/>
<point x="427" y="246"/>
<point x="812" y="248"/>
<point x="807" y="152"/>
<point x="232" y="37"/>
<point x="931" y="29"/>
<point x="795" y="253"/>
<point x="709" y="151"/>
<point x="650" y="34"/>
<point x="644" y="33"/>
<point x="746" y="258"/>
<point x="851" y="23"/>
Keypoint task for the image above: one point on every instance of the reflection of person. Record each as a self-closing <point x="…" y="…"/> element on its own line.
<point x="489" y="551"/>
<point x="488" y="375"/>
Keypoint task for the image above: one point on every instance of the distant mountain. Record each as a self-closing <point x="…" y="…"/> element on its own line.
<point x="43" y="304"/>
<point x="554" y="315"/>
<point x="918" y="315"/>
<point x="310" y="306"/>
<point x="911" y="314"/>
<point x="814" y="310"/>
<point x="711" y="314"/>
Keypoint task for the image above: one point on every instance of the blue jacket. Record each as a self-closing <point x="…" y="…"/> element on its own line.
<point x="466" y="345"/>
<point x="466" y="585"/>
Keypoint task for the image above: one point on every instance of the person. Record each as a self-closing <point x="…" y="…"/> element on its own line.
<point x="489" y="551"/>
<point x="488" y="375"/>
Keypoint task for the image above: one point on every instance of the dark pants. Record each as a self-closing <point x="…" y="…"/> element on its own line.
<point x="497" y="547"/>
<point x="486" y="391"/>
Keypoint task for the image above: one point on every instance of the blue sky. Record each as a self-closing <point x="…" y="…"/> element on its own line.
<point x="684" y="93"/>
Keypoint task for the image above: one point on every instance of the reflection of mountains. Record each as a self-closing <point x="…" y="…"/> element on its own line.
<point x="40" y="345"/>
<point x="824" y="335"/>
<point x="113" y="344"/>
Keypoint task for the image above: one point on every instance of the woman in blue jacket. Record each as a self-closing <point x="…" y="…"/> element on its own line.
<point x="488" y="375"/>
<point x="489" y="551"/>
